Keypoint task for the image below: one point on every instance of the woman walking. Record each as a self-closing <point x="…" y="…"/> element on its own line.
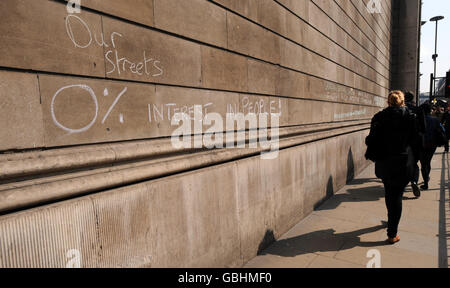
<point x="390" y="142"/>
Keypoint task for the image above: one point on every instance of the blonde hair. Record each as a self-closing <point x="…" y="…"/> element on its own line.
<point x="396" y="99"/>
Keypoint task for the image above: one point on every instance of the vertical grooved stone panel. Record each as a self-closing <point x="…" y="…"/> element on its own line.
<point x="59" y="236"/>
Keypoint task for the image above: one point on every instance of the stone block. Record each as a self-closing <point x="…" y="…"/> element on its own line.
<point x="250" y="39"/>
<point x="262" y="77"/>
<point x="187" y="221"/>
<point x="295" y="28"/>
<point x="197" y="19"/>
<point x="224" y="70"/>
<point x="300" y="112"/>
<point x="40" y="35"/>
<point x="292" y="84"/>
<point x="255" y="204"/>
<point x="142" y="54"/>
<point x="272" y="16"/>
<point x="140" y="11"/>
<point x="315" y="176"/>
<point x="246" y="8"/>
<point x="293" y="56"/>
<point x="171" y="100"/>
<point x="289" y="196"/>
<point x="20" y="111"/>
<point x="57" y="236"/>
<point x="281" y="106"/>
<point x="299" y="7"/>
<point x="142" y="110"/>
<point x="84" y="111"/>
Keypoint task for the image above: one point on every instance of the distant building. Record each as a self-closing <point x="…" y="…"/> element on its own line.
<point x="424" y="97"/>
<point x="440" y="90"/>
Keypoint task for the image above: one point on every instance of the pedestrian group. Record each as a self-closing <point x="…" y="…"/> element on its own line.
<point x="401" y="136"/>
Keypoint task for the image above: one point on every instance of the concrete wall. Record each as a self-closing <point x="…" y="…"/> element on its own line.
<point x="87" y="99"/>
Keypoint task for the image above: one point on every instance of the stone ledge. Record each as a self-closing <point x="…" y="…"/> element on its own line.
<point x="71" y="183"/>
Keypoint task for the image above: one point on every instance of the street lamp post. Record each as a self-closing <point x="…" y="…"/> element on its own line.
<point x="435" y="55"/>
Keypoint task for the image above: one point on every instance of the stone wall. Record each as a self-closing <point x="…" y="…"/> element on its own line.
<point x="219" y="216"/>
<point x="87" y="100"/>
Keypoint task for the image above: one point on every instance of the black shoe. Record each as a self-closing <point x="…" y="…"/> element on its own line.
<point x="415" y="189"/>
<point x="424" y="187"/>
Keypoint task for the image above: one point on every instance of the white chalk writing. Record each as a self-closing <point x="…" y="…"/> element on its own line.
<point x="158" y="113"/>
<point x="148" y="66"/>
<point x="259" y="106"/>
<point x="350" y="114"/>
<point x="95" y="101"/>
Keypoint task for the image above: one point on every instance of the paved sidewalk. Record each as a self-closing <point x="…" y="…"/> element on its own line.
<point x="342" y="231"/>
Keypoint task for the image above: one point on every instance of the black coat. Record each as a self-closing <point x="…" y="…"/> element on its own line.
<point x="391" y="144"/>
<point x="435" y="134"/>
<point x="421" y="127"/>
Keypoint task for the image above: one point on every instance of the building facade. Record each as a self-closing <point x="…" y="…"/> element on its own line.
<point x="89" y="175"/>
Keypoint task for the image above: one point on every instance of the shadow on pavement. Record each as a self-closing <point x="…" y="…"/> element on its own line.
<point x="364" y="181"/>
<point x="364" y="194"/>
<point x="322" y="241"/>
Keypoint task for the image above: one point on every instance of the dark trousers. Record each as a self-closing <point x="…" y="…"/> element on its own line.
<point x="416" y="173"/>
<point x="396" y="172"/>
<point x="394" y="199"/>
<point x="425" y="162"/>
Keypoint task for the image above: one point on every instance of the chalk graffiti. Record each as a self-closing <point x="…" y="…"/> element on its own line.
<point x="95" y="101"/>
<point x="113" y="105"/>
<point x="69" y="31"/>
<point x="260" y="106"/>
<point x="69" y="130"/>
<point x="148" y="66"/>
<point x="163" y="112"/>
<point x="350" y="114"/>
<point x="82" y="37"/>
<point x="160" y="113"/>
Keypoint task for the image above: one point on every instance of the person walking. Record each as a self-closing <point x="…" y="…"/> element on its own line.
<point x="418" y="142"/>
<point x="390" y="143"/>
<point x="434" y="137"/>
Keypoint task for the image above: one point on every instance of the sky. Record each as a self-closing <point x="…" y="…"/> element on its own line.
<point x="430" y="9"/>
